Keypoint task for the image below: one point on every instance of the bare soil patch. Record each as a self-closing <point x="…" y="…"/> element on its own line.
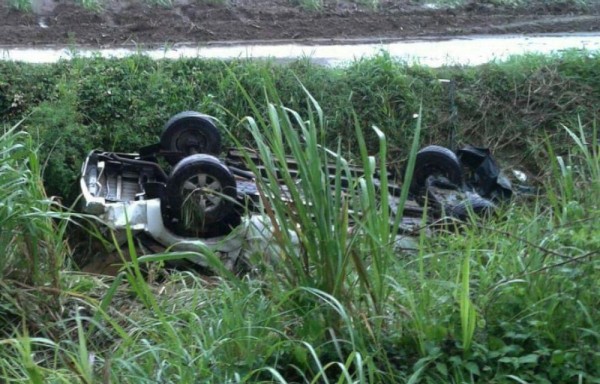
<point x="131" y="22"/>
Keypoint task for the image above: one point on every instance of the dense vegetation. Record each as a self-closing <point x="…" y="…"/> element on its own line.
<point x="512" y="300"/>
<point x="75" y="106"/>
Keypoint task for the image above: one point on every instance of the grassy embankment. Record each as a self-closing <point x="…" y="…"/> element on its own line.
<point x="511" y="300"/>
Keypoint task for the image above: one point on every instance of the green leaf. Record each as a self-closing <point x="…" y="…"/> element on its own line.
<point x="528" y="359"/>
<point x="442" y="368"/>
<point x="558" y="358"/>
<point x="507" y="360"/>
<point x="473" y="368"/>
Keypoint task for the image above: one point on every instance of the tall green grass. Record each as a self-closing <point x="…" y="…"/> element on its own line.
<point x="334" y="229"/>
<point x="33" y="244"/>
<point x="520" y="286"/>
<point x="20" y="5"/>
<point x="311" y="5"/>
<point x="575" y="170"/>
<point x="33" y="253"/>
<point x="93" y="5"/>
<point x="512" y="299"/>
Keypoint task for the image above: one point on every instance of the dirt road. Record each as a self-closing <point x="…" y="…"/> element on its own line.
<point x="130" y="22"/>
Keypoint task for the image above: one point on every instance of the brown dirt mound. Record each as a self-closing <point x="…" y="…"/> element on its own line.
<point x="130" y="22"/>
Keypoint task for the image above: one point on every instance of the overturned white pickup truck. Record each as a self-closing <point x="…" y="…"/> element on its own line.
<point x="210" y="201"/>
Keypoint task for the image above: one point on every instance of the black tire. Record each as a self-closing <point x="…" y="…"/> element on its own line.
<point x="201" y="193"/>
<point x="190" y="133"/>
<point x="434" y="160"/>
<point x="447" y="199"/>
<point x="474" y="203"/>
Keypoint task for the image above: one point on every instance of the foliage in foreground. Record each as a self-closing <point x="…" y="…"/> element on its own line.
<point x="511" y="300"/>
<point x="33" y="252"/>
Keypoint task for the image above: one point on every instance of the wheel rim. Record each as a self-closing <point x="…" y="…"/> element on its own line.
<point x="435" y="170"/>
<point x="203" y="199"/>
<point x="428" y="170"/>
<point x="202" y="192"/>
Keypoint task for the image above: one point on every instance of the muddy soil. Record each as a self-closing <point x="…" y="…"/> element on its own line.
<point x="133" y="22"/>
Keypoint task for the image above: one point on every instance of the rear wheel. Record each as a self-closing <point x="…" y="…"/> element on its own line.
<point x="190" y="133"/>
<point x="201" y="194"/>
<point x="435" y="160"/>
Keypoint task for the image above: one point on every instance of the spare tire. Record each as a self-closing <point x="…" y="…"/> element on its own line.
<point x="189" y="133"/>
<point x="201" y="193"/>
<point x="435" y="160"/>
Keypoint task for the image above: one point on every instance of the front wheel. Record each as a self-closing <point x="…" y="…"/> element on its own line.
<point x="201" y="193"/>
